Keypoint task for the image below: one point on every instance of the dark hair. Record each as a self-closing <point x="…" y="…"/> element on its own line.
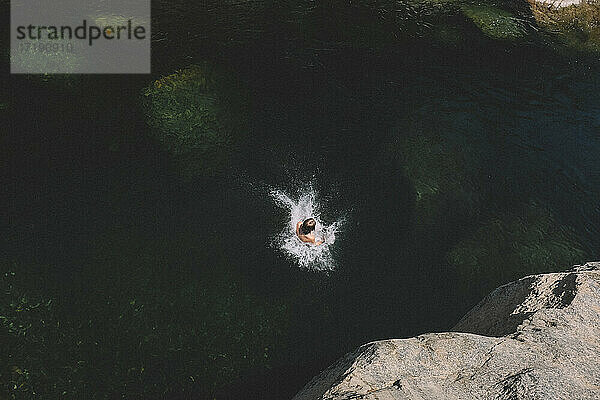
<point x="308" y="226"/>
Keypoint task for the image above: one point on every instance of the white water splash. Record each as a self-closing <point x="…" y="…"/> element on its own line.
<point x="306" y="255"/>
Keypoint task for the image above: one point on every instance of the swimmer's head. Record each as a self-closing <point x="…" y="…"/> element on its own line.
<point x="308" y="225"/>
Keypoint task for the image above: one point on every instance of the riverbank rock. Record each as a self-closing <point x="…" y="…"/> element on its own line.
<point x="574" y="24"/>
<point x="535" y="338"/>
<point x="560" y="3"/>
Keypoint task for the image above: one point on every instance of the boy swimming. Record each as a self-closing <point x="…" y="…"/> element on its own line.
<point x="306" y="231"/>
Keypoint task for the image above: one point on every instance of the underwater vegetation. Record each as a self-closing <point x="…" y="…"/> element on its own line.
<point x="160" y="339"/>
<point x="198" y="115"/>
<point x="25" y="317"/>
<point x="440" y="164"/>
<point x="495" y="22"/>
<point x="489" y="242"/>
<point x="511" y="245"/>
<point x="434" y="165"/>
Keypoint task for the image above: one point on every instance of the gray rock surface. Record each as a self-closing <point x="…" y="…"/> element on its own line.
<point x="536" y="338"/>
<point x="560" y="3"/>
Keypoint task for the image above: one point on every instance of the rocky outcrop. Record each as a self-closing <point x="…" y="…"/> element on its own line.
<point x="571" y="24"/>
<point x="560" y="3"/>
<point x="536" y="338"/>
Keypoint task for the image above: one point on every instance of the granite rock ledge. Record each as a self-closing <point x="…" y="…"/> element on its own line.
<point x="535" y="338"/>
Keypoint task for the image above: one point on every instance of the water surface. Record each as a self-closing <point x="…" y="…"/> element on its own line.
<point x="445" y="171"/>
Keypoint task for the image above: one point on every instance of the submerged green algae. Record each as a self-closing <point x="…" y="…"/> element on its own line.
<point x="460" y="205"/>
<point x="511" y="245"/>
<point x="495" y="22"/>
<point x="147" y="336"/>
<point x="197" y="114"/>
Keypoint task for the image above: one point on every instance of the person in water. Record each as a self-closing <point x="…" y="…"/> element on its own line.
<point x="306" y="231"/>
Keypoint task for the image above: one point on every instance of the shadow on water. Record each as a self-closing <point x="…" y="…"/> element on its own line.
<point x="457" y="169"/>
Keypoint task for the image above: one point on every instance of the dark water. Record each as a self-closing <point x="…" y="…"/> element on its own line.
<point x="459" y="168"/>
